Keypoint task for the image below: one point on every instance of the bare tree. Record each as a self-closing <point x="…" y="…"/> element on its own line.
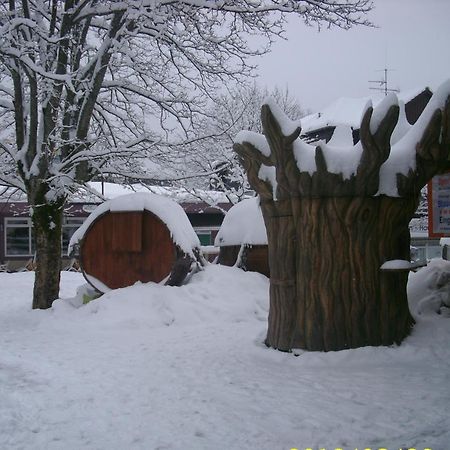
<point x="210" y="151"/>
<point x="89" y="86"/>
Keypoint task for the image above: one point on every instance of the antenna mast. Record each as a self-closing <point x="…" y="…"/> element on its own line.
<point x="383" y="84"/>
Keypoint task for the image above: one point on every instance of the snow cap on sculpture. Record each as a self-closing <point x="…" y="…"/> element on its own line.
<point x="396" y="156"/>
<point x="402" y="157"/>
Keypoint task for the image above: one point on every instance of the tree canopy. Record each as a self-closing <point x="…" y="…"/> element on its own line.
<point x="83" y="81"/>
<point x="93" y="87"/>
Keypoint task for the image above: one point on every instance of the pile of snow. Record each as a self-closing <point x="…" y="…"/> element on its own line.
<point x="243" y="224"/>
<point x="150" y="367"/>
<point x="161" y="306"/>
<point x="341" y="160"/>
<point x="429" y="290"/>
<point x="170" y="212"/>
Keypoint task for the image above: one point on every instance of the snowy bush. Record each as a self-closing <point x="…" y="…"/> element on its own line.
<point x="429" y="290"/>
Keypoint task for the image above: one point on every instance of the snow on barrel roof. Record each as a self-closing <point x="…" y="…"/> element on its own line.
<point x="243" y="224"/>
<point x="167" y="210"/>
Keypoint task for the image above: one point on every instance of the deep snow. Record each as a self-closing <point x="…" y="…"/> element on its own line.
<point x="157" y="367"/>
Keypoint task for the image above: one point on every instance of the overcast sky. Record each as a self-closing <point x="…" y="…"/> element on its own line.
<point x="413" y="41"/>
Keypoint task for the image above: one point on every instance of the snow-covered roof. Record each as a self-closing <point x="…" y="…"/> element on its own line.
<point x="349" y="111"/>
<point x="243" y="224"/>
<point x="410" y="94"/>
<point x="344" y="111"/>
<point x="96" y="190"/>
<point x="164" y="208"/>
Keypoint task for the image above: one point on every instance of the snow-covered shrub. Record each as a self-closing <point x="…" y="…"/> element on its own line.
<point x="429" y="290"/>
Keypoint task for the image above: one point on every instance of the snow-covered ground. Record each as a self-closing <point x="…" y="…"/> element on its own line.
<point x="153" y="367"/>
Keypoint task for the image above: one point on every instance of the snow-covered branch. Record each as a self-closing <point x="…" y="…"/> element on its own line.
<point x="95" y="86"/>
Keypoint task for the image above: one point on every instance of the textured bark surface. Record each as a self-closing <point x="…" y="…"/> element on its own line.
<point x="47" y="219"/>
<point x="329" y="235"/>
<point x="348" y="302"/>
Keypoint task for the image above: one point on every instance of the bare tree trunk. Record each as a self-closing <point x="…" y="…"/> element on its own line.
<point x="47" y="223"/>
<point x="328" y="236"/>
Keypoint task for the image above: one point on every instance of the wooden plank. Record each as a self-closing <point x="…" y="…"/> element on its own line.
<point x="126" y="231"/>
<point x="257" y="259"/>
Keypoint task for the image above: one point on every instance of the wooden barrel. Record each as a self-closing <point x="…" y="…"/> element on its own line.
<point x="139" y="237"/>
<point x="242" y="238"/>
<point x="120" y="248"/>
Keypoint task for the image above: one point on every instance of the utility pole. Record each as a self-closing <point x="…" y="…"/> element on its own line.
<point x="383" y="84"/>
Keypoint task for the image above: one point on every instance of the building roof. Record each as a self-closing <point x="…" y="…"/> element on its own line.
<point x="197" y="201"/>
<point x="349" y="111"/>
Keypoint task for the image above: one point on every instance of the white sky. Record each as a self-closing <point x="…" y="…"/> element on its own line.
<point x="413" y="39"/>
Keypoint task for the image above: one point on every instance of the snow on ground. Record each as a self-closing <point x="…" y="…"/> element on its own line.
<point x="155" y="367"/>
<point x="429" y="290"/>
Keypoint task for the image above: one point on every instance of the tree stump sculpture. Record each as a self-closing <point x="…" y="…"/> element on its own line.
<point x="333" y="217"/>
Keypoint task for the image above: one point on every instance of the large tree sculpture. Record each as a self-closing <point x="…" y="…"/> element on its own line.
<point x="334" y="216"/>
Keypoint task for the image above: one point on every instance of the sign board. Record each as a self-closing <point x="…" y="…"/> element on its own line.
<point x="439" y="206"/>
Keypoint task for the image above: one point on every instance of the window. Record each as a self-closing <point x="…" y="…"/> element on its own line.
<point x="70" y="225"/>
<point x="19" y="236"/>
<point x="204" y="237"/>
<point x="426" y="251"/>
<point x="206" y="234"/>
<point x="19" y="239"/>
